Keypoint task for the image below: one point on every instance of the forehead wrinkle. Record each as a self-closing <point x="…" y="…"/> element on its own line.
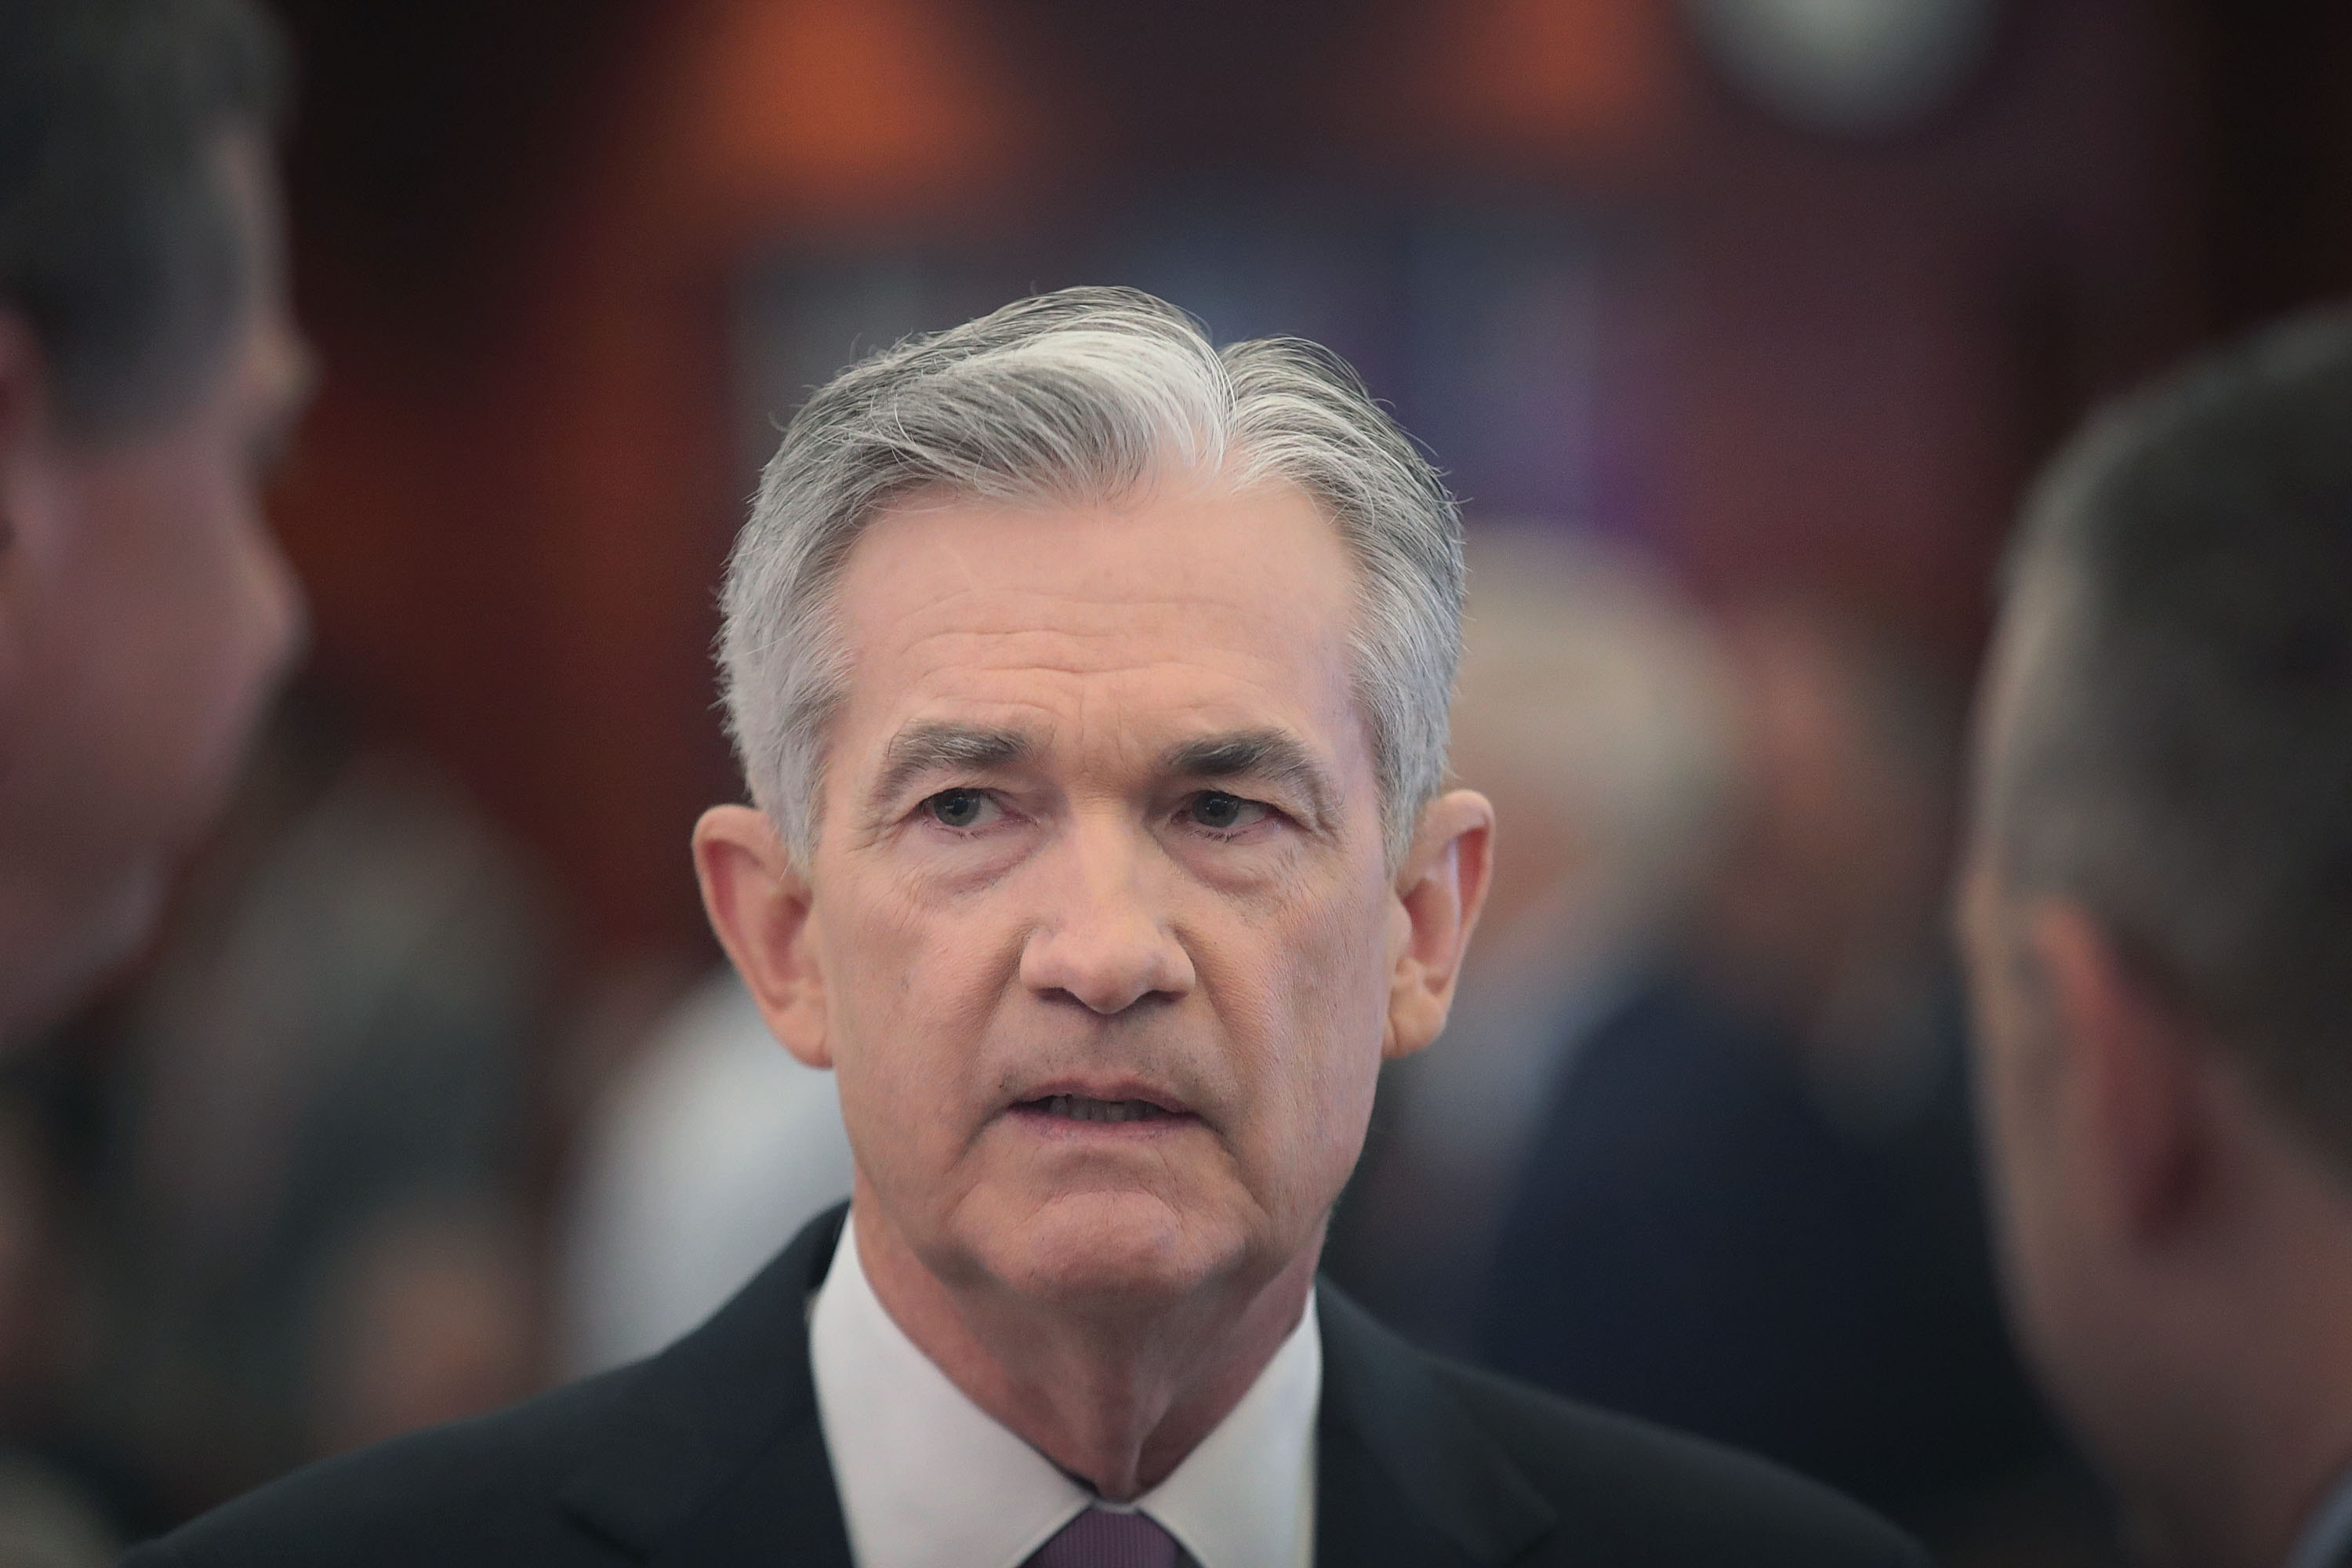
<point x="1112" y="592"/>
<point x="1120" y="636"/>
<point x="975" y="666"/>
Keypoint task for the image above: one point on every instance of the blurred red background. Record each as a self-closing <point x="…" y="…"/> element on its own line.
<point x="521" y="226"/>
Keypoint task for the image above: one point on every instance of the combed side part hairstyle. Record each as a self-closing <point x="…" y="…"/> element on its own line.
<point x="1086" y="396"/>
<point x="2180" y="758"/>
<point x="118" y="243"/>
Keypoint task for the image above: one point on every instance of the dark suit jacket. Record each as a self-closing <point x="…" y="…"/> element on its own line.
<point x="710" y="1454"/>
<point x="1693" y="1241"/>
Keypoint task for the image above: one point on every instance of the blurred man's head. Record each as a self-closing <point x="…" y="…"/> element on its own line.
<point x="2159" y="911"/>
<point x="148" y="371"/>
<point x="1595" y="710"/>
<point x="1094" y="685"/>
<point x="1826" y="915"/>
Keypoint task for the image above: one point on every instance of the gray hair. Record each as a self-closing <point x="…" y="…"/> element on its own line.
<point x="1087" y="395"/>
<point x="2176" y="672"/>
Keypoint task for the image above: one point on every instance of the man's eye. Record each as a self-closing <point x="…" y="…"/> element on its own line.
<point x="958" y="807"/>
<point x="1222" y="813"/>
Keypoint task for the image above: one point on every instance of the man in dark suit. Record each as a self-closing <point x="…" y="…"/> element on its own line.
<point x="1697" y="1241"/>
<point x="1091" y="684"/>
<point x="149" y="370"/>
<point x="2158" y="914"/>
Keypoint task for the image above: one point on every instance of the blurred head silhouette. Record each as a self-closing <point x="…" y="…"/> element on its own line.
<point x="1595" y="710"/>
<point x="2158" y="908"/>
<point x="149" y="371"/>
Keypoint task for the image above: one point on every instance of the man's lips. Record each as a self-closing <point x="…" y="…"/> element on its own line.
<point x="1122" y="1105"/>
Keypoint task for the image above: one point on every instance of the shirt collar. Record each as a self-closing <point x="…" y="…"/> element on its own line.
<point x="928" y="1479"/>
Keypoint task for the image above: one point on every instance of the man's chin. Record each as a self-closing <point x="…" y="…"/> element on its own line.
<point x="1118" y="1245"/>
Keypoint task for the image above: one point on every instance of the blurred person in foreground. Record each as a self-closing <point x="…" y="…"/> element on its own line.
<point x="148" y="372"/>
<point x="1595" y="709"/>
<point x="2158" y="911"/>
<point x="1092" y="684"/>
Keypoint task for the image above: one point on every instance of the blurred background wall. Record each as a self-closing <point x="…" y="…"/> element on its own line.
<point x="1785" y="298"/>
<point x="562" y="258"/>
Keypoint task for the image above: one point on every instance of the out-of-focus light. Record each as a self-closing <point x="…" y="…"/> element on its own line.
<point x="1848" y="66"/>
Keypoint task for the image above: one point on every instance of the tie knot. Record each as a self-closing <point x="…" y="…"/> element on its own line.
<point x="1101" y="1539"/>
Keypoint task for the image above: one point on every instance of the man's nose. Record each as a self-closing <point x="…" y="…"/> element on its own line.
<point x="1103" y="940"/>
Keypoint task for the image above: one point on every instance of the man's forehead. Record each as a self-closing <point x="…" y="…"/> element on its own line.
<point x="1195" y="614"/>
<point x="1181" y="540"/>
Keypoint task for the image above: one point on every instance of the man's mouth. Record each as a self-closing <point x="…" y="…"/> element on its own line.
<point x="1080" y="1108"/>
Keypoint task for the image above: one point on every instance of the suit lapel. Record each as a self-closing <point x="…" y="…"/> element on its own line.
<point x="724" y="1460"/>
<point x="782" y="1511"/>
<point x="1403" y="1475"/>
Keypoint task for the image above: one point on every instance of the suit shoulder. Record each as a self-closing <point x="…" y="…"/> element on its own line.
<point x="479" y="1491"/>
<point x="1627" y="1490"/>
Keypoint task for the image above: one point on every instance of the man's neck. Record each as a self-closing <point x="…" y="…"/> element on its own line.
<point x="1116" y="1398"/>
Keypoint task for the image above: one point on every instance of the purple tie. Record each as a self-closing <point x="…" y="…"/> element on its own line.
<point x="1099" y="1539"/>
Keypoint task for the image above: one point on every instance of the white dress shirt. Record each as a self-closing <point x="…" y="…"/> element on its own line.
<point x="928" y="1479"/>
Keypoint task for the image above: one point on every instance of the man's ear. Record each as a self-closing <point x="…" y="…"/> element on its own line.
<point x="759" y="904"/>
<point x="1439" y="890"/>
<point x="2138" y="1085"/>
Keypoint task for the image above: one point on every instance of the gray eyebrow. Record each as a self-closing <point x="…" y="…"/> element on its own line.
<point x="920" y="749"/>
<point x="1256" y="753"/>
